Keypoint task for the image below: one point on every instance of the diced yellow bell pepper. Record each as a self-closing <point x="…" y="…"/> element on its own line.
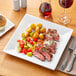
<point x="32" y="48"/>
<point x="31" y="34"/>
<point x="29" y="54"/>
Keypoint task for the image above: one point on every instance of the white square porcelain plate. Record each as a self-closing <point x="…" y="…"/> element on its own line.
<point x="8" y="26"/>
<point x="65" y="34"/>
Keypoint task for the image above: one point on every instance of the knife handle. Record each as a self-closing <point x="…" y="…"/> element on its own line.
<point x="65" y="61"/>
<point x="69" y="67"/>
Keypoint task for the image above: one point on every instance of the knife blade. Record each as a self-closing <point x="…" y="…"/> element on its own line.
<point x="70" y="65"/>
<point x="70" y="50"/>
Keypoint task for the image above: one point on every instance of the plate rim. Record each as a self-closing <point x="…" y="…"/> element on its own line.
<point x="10" y="27"/>
<point x="71" y="30"/>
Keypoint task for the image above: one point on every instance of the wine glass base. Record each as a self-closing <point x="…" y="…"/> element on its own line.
<point x="64" y="18"/>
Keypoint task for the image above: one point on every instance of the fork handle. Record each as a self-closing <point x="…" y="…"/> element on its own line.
<point x="70" y="66"/>
<point x="65" y="61"/>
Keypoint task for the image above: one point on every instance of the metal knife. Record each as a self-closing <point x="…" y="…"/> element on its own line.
<point x="70" y="50"/>
<point x="70" y="66"/>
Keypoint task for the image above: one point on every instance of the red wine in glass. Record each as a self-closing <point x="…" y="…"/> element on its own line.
<point x="45" y="9"/>
<point x="66" y="3"/>
<point x="64" y="17"/>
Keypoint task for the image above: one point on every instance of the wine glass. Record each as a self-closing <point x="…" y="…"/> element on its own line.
<point x="45" y="8"/>
<point x="65" y="18"/>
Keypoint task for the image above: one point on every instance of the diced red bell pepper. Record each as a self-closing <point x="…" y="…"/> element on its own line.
<point x="35" y="40"/>
<point x="28" y="39"/>
<point x="21" y="43"/>
<point x="31" y="42"/>
<point x="25" y="51"/>
<point x="29" y="50"/>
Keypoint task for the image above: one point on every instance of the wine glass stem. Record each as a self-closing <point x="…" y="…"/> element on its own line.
<point x="64" y="10"/>
<point x="64" y="17"/>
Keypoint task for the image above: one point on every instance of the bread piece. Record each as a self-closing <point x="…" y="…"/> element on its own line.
<point x="1" y="28"/>
<point x="2" y="22"/>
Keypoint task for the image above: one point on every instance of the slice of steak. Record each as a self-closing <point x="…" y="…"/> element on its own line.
<point x="38" y="55"/>
<point x="50" y="54"/>
<point x="52" y="31"/>
<point x="45" y="54"/>
<point x="50" y="48"/>
<point x="56" y="37"/>
<point x="54" y="34"/>
<point x="48" y="37"/>
<point x="52" y="44"/>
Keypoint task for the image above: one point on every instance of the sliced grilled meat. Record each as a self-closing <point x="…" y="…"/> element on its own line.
<point x="51" y="44"/>
<point x="54" y="45"/>
<point x="48" y="37"/>
<point x="48" y="51"/>
<point x="54" y="34"/>
<point x="50" y="54"/>
<point x="38" y="55"/>
<point x="52" y="31"/>
<point x="45" y="54"/>
<point x="56" y="37"/>
<point x="50" y="48"/>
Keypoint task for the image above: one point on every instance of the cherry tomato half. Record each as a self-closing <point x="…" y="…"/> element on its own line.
<point x="29" y="50"/>
<point x="21" y="43"/>
<point x="25" y="51"/>
<point x="31" y="42"/>
<point x="35" y="40"/>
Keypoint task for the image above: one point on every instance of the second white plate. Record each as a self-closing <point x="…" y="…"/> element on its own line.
<point x="8" y="26"/>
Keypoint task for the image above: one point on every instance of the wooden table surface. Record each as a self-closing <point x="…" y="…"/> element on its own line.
<point x="12" y="66"/>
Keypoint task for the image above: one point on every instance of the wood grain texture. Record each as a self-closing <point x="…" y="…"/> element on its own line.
<point x="12" y="66"/>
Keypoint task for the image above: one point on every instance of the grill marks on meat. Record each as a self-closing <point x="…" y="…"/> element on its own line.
<point x="54" y="34"/>
<point x="42" y="52"/>
<point x="46" y="54"/>
<point x="48" y="46"/>
<point x="56" y="37"/>
<point x="38" y="55"/>
<point x="50" y="38"/>
<point x="51" y="44"/>
<point x="54" y="45"/>
<point x="51" y="49"/>
<point x="52" y="31"/>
